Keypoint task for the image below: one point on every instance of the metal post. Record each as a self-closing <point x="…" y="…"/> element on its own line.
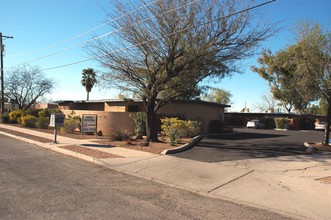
<point x="2" y="84"/>
<point x="55" y="134"/>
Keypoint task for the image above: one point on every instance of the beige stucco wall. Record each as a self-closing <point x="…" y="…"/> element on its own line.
<point x="202" y="112"/>
<point x="116" y="118"/>
<point x="108" y="122"/>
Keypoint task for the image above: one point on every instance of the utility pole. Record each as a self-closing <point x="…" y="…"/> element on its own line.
<point x="2" y="49"/>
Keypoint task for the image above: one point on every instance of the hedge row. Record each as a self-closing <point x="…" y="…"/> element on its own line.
<point x="32" y="118"/>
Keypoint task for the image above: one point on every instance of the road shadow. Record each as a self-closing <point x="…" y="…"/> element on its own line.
<point x="245" y="136"/>
<point x="245" y="145"/>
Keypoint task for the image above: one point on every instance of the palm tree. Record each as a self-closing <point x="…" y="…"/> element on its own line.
<point x="88" y="80"/>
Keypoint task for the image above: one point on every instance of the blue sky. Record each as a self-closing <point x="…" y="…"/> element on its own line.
<point x="38" y="24"/>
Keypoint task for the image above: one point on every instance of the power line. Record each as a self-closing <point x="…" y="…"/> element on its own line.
<point x="83" y="33"/>
<point x="109" y="33"/>
<point x="167" y="35"/>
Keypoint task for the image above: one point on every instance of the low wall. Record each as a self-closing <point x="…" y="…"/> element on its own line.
<point x="193" y="111"/>
<point x="108" y="122"/>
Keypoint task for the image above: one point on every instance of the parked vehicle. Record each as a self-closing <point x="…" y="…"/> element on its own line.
<point x="255" y="124"/>
<point x="320" y="126"/>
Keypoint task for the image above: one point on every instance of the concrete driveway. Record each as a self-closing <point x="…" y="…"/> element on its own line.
<point x="250" y="144"/>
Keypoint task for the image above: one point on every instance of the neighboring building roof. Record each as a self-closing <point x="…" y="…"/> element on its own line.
<point x="139" y="100"/>
<point x="200" y="102"/>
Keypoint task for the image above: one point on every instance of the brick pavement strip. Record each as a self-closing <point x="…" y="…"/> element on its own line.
<point x="90" y="152"/>
<point x="21" y="134"/>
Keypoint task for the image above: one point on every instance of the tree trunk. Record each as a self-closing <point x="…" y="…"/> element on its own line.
<point x="151" y="123"/>
<point x="327" y="128"/>
<point x="88" y="96"/>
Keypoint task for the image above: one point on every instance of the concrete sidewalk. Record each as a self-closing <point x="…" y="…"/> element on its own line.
<point x="288" y="185"/>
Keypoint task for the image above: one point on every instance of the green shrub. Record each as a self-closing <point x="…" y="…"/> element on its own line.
<point x="19" y="120"/>
<point x="15" y="115"/>
<point x="139" y="120"/>
<point x="70" y="125"/>
<point x="4" y="118"/>
<point x="32" y="111"/>
<point x="281" y="123"/>
<point x="174" y="129"/>
<point x="192" y="128"/>
<point x="269" y="123"/>
<point x="78" y="119"/>
<point x="47" y="112"/>
<point x="42" y="122"/>
<point x="119" y="136"/>
<point x="29" y="121"/>
<point x="44" y="113"/>
<point x="216" y="126"/>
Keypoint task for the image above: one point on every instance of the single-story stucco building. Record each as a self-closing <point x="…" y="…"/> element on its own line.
<point x="113" y="115"/>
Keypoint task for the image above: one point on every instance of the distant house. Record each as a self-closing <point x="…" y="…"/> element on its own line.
<point x="44" y="106"/>
<point x="113" y="114"/>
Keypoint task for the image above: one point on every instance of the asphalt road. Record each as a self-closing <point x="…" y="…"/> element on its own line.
<point x="39" y="184"/>
<point x="250" y="144"/>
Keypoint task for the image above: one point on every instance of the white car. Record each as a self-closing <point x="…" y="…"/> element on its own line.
<point x="255" y="124"/>
<point x="320" y="126"/>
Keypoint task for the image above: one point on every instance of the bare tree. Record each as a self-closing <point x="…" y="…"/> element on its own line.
<point x="24" y="84"/>
<point x="267" y="103"/>
<point x="172" y="45"/>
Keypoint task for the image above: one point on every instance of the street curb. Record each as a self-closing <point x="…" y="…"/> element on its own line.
<point x="184" y="147"/>
<point x="57" y="149"/>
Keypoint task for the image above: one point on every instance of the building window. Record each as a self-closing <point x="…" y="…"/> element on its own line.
<point x="133" y="108"/>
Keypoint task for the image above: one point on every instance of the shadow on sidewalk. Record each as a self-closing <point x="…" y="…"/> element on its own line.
<point x="97" y="145"/>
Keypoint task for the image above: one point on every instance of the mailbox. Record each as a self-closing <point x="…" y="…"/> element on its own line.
<point x="56" y="120"/>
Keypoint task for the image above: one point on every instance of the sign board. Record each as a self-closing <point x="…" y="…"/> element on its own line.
<point x="56" y="120"/>
<point x="89" y="123"/>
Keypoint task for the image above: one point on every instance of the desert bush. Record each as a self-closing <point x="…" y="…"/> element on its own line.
<point x="19" y="120"/>
<point x="281" y="123"/>
<point x="70" y="125"/>
<point x="32" y="111"/>
<point x="42" y="122"/>
<point x="139" y="119"/>
<point x="174" y="129"/>
<point x="15" y="115"/>
<point x="269" y="123"/>
<point x="47" y="112"/>
<point x="4" y="118"/>
<point x="73" y="116"/>
<point x="192" y="128"/>
<point x="119" y="136"/>
<point x="29" y="121"/>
